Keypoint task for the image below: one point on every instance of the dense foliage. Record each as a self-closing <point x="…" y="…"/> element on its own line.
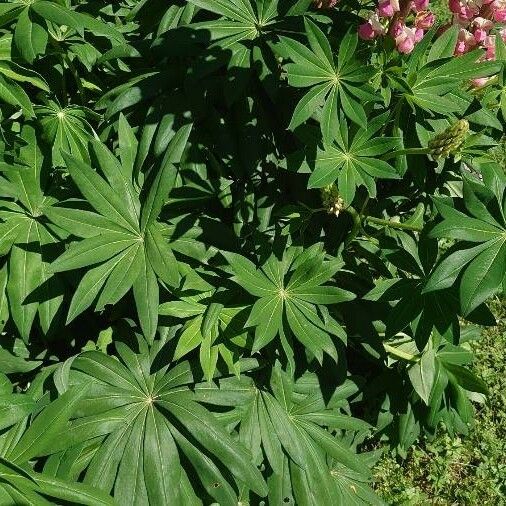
<point x="444" y="470"/>
<point x="238" y="242"/>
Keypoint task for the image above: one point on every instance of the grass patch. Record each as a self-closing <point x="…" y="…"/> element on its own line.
<point x="470" y="470"/>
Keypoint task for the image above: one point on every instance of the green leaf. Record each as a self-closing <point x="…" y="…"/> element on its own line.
<point x="162" y="470"/>
<point x="308" y="104"/>
<point x="422" y="375"/>
<point x="146" y="297"/>
<point x="119" y="179"/>
<point x="91" y="283"/>
<point x="457" y="225"/>
<point x="285" y="430"/>
<point x="57" y="14"/>
<point x="267" y="315"/>
<point x="127" y="147"/>
<point x="323" y="294"/>
<point x="93" y="251"/>
<point x="165" y="178"/>
<point x="38" y="438"/>
<point x="13" y="94"/>
<point x="99" y="194"/>
<point x="123" y="276"/>
<point x="190" y="338"/>
<point x="160" y="257"/>
<point x="353" y="109"/>
<point x="449" y="269"/>
<point x="81" y="223"/>
<point x="25" y="268"/>
<point x="444" y="46"/>
<point x="330" y="121"/>
<point x="484" y="276"/>
<point x="78" y="493"/>
<point x="319" y="43"/>
<point x="202" y="425"/>
<point x="30" y="37"/>
<point x="332" y="446"/>
<point x="208" y="355"/>
<point x="130" y="487"/>
<point x="226" y="8"/>
<point x="311" y="336"/>
<point x="252" y="280"/>
<point x="14" y="407"/>
<point x="466" y="379"/>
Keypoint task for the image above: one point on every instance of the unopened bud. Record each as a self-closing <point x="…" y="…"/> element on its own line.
<point x="450" y="140"/>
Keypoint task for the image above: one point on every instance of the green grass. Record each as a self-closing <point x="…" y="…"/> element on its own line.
<point x="460" y="471"/>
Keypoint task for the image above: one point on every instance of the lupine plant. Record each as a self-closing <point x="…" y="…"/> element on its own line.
<point x="244" y="244"/>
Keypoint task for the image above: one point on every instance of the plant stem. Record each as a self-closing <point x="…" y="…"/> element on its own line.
<point x="357" y="225"/>
<point x="407" y="151"/>
<point x="392" y="224"/>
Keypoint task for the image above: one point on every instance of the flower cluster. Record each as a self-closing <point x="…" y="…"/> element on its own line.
<point x="331" y="200"/>
<point x="476" y="19"/>
<point x="391" y="18"/>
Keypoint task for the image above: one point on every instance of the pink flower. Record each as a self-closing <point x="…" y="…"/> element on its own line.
<point x="397" y="28"/>
<point x="482" y="26"/>
<point x="465" y="42"/>
<point x="366" y="31"/>
<point x="500" y="15"/>
<point x="489" y="45"/>
<point x="480" y="82"/>
<point x="502" y="34"/>
<point x="372" y="28"/>
<point x="424" y="20"/>
<point x="465" y="10"/>
<point x="406" y="38"/>
<point x="387" y="8"/>
<point x="455" y="6"/>
<point x="420" y="5"/>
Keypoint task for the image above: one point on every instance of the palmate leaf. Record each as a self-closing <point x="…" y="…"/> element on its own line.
<point x="287" y="425"/>
<point x="481" y="267"/>
<point x="123" y="238"/>
<point x="66" y="129"/>
<point x="356" y="163"/>
<point x="30" y="243"/>
<point x="290" y="291"/>
<point x="335" y="86"/>
<point x="415" y="312"/>
<point x="241" y="38"/>
<point x="20" y="485"/>
<point x="216" y="327"/>
<point x="146" y="422"/>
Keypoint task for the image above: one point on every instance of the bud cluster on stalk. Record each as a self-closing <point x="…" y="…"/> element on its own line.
<point x="331" y="200"/>
<point x="449" y="141"/>
<point x="404" y="20"/>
